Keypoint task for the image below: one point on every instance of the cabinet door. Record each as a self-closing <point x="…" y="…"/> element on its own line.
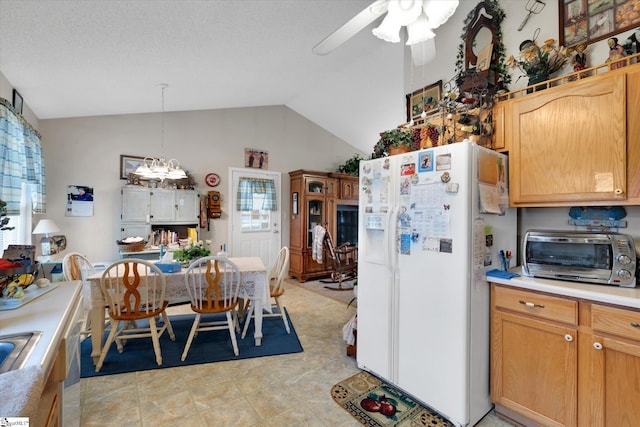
<point x="569" y="143"/>
<point x="615" y="377"/>
<point x="502" y="126"/>
<point x="188" y="206"/>
<point x="135" y="204"/>
<point x="163" y="205"/>
<point x="315" y="210"/>
<point x="534" y="368"/>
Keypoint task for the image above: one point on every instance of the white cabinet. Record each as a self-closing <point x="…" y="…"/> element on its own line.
<point x="144" y="207"/>
<point x="135" y="204"/>
<point x="187" y="205"/>
<point x="163" y="205"/>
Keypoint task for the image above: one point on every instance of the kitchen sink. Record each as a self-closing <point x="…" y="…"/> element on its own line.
<point x="16" y="348"/>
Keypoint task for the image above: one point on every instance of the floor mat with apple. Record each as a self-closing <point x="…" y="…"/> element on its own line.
<point x="374" y="403"/>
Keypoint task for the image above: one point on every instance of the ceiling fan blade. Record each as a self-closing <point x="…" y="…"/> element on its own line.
<point x="351" y="28"/>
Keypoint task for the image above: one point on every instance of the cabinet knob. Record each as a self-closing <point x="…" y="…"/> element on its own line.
<point x="635" y="324"/>
<point x="618" y="191"/>
<point x="597" y="346"/>
<point x="568" y="337"/>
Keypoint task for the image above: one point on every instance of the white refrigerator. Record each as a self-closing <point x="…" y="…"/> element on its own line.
<point x="431" y="223"/>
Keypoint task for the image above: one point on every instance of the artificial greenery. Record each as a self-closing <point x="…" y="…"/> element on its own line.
<point x="499" y="66"/>
<point x="194" y="251"/>
<point x="351" y="166"/>
<point x="395" y="138"/>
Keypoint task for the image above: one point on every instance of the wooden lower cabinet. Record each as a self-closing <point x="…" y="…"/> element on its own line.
<point x="615" y="366"/>
<point x="534" y="356"/>
<point x="561" y="361"/>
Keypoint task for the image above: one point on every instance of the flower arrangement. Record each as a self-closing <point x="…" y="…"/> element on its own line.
<point x="539" y="61"/>
<point x="194" y="251"/>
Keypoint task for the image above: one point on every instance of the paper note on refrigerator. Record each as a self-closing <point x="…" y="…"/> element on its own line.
<point x="489" y="199"/>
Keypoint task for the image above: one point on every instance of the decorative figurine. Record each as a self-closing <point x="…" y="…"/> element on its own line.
<point x="616" y="52"/>
<point x="580" y="58"/>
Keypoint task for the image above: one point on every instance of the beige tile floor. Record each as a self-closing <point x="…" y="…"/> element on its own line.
<point x="289" y="390"/>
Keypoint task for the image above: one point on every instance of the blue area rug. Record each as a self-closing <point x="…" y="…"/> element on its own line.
<point x="212" y="346"/>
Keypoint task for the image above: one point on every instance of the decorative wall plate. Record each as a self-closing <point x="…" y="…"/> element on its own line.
<point x="212" y="179"/>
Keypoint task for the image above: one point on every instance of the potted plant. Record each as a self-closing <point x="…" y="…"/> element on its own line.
<point x="194" y="251"/>
<point x="351" y="166"/>
<point x="394" y="141"/>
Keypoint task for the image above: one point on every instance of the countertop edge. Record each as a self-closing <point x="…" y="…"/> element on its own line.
<point x="626" y="297"/>
<point x="50" y="313"/>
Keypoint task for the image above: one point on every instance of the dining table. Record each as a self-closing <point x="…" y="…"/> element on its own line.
<point x="253" y="286"/>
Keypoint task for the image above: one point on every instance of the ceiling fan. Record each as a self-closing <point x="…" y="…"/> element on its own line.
<point x="420" y="17"/>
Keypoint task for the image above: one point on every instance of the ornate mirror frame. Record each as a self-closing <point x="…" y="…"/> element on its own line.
<point x="487" y="14"/>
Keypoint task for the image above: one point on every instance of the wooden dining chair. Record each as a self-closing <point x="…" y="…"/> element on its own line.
<point x="276" y="290"/>
<point x="134" y="290"/>
<point x="213" y="284"/>
<point x="76" y="266"/>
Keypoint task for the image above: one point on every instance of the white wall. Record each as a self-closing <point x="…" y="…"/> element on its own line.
<point x="86" y="151"/>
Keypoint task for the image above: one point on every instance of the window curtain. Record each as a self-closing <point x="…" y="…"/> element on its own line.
<point x="21" y="161"/>
<point x="247" y="187"/>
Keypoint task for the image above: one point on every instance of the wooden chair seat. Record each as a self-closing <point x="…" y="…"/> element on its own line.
<point x="134" y="290"/>
<point x="213" y="284"/>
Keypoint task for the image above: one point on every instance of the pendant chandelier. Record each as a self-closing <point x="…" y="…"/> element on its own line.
<point x="160" y="168"/>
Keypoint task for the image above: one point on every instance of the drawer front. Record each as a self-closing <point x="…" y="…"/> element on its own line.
<point x="625" y="323"/>
<point x="542" y="306"/>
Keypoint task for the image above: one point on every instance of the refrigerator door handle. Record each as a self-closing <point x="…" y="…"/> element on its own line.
<point x="391" y="238"/>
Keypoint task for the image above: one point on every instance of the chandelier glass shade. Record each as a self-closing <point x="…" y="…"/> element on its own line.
<point x="159" y="168"/>
<point x="420" y="17"/>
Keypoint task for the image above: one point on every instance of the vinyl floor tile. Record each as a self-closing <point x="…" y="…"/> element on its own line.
<point x="288" y="390"/>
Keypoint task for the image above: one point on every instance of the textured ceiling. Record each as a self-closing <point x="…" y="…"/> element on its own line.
<point x="99" y="57"/>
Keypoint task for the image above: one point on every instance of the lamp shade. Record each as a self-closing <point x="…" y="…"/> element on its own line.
<point x="46" y="226"/>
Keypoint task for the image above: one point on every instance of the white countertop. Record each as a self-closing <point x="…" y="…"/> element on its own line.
<point x="48" y="313"/>
<point x="627" y="297"/>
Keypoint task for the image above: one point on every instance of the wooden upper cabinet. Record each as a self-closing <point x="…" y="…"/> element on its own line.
<point x="569" y="143"/>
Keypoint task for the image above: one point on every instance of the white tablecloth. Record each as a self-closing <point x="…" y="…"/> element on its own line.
<point x="253" y="286"/>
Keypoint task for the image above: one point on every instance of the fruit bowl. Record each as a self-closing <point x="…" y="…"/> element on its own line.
<point x="23" y="276"/>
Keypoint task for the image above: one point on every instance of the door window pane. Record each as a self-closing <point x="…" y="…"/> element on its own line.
<point x="256" y="219"/>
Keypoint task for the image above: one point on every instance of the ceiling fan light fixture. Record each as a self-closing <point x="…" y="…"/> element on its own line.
<point x="439" y="11"/>
<point x="388" y="30"/>
<point x="404" y="11"/>
<point x="419" y="31"/>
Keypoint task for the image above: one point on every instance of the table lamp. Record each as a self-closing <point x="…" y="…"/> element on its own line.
<point x="46" y="227"/>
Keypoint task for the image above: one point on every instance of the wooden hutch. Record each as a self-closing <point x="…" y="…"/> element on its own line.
<point x="327" y="199"/>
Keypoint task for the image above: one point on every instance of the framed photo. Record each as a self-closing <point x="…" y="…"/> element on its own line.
<point x="17" y="102"/>
<point x="425" y="99"/>
<point x="588" y="21"/>
<point x="255" y="158"/>
<point x="129" y="164"/>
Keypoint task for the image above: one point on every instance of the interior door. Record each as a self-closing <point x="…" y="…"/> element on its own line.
<point x="255" y="232"/>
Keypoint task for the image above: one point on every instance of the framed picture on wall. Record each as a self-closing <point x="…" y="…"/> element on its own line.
<point x="588" y="21"/>
<point x="17" y="102"/>
<point x="129" y="164"/>
<point x="256" y="158"/>
<point x="425" y="99"/>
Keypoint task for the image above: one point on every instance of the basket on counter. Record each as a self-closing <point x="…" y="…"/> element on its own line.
<point x="131" y="247"/>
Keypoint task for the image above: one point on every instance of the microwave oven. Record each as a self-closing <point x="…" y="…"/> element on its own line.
<point x="591" y="257"/>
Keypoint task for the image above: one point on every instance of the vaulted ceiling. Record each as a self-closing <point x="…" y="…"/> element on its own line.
<point x="71" y="58"/>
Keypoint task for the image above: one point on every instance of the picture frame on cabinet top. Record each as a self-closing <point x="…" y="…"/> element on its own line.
<point x="422" y="100"/>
